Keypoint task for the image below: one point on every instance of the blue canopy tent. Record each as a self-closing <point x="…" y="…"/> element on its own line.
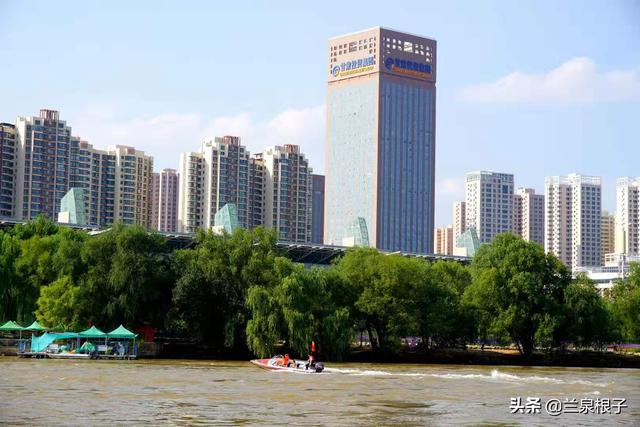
<point x="39" y="344"/>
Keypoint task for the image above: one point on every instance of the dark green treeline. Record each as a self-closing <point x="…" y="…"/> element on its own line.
<point x="237" y="293"/>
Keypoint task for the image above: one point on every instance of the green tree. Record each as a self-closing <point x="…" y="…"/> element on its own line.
<point x="442" y="319"/>
<point x="128" y="278"/>
<point x="13" y="304"/>
<point x="625" y="304"/>
<point x="383" y="287"/>
<point x="58" y="305"/>
<point x="520" y="290"/>
<point x="210" y="296"/>
<point x="587" y="319"/>
<point x="311" y="314"/>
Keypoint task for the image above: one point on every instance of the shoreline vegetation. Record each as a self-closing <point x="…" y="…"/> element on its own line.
<point x="236" y="295"/>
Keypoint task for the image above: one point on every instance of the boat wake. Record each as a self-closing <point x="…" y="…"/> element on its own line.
<point x="495" y="375"/>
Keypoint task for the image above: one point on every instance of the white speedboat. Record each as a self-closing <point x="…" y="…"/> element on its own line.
<point x="298" y="366"/>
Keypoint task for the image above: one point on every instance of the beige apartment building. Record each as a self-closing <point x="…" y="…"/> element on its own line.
<point x="443" y="240"/>
<point x="627" y="216"/>
<point x="49" y="161"/>
<point x="607" y="235"/>
<point x="459" y="219"/>
<point x="573" y="207"/>
<point x="287" y="193"/>
<point x="133" y="178"/>
<point x="528" y="215"/>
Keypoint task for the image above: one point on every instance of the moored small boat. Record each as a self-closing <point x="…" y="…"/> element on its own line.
<point x="68" y="356"/>
<point x="298" y="366"/>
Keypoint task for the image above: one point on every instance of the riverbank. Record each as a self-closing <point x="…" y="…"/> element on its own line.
<point x="578" y="359"/>
<point x="471" y="356"/>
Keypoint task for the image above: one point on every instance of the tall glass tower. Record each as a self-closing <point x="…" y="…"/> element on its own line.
<point x="381" y="111"/>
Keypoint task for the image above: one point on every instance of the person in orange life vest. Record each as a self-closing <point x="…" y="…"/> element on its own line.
<point x="285" y="360"/>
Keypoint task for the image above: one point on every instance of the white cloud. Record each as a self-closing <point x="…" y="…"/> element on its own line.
<point x="577" y="81"/>
<point x="165" y="136"/>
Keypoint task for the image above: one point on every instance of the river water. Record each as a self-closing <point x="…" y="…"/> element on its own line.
<point x="183" y="393"/>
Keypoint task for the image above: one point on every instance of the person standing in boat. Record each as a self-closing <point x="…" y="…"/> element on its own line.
<point x="311" y="361"/>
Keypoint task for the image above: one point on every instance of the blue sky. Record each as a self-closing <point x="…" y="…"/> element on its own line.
<point x="533" y="88"/>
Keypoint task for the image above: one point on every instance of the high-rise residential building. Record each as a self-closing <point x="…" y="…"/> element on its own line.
<point x="287" y="193"/>
<point x="42" y="164"/>
<point x="102" y="193"/>
<point x="164" y="201"/>
<point x="459" y="219"/>
<point x="256" y="191"/>
<point x="381" y="115"/>
<point x="191" y="193"/>
<point x="443" y="240"/>
<point x="116" y="182"/>
<point x="627" y="219"/>
<point x="226" y="177"/>
<point x="573" y="206"/>
<point x="7" y="169"/>
<point x="317" y="218"/>
<point x="528" y="215"/>
<point x="218" y="175"/>
<point x="489" y="203"/>
<point x="133" y="177"/>
<point x="155" y="199"/>
<point x="607" y="235"/>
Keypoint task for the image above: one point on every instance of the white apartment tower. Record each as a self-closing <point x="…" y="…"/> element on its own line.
<point x="627" y="217"/>
<point x="190" y="192"/>
<point x="217" y="175"/>
<point x="528" y="215"/>
<point x="489" y="203"/>
<point x="573" y="205"/>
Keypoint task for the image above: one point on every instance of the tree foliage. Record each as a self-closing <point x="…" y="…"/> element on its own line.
<point x="213" y="281"/>
<point x="625" y="305"/>
<point x="519" y="290"/>
<point x="59" y="305"/>
<point x="237" y="292"/>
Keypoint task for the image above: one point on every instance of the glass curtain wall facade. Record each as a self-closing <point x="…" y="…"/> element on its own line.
<point x="381" y="139"/>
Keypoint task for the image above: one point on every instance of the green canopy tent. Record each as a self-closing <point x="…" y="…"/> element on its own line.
<point x="123" y="333"/>
<point x="92" y="332"/>
<point x="12" y="326"/>
<point x="35" y="327"/>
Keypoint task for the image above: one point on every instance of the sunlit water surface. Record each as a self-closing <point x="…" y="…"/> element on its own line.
<point x="172" y="392"/>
